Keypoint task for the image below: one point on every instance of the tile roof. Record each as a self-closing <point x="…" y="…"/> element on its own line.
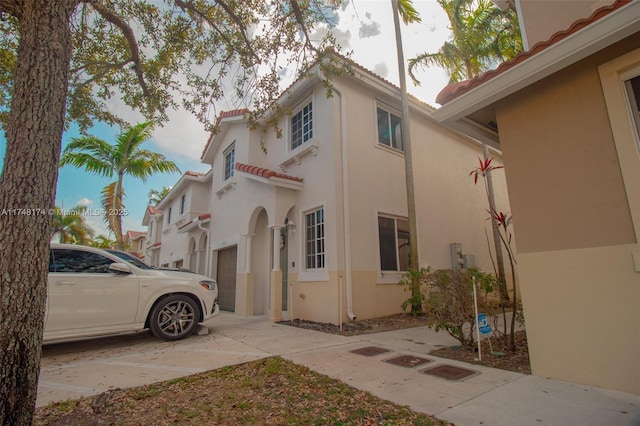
<point x="200" y="218"/>
<point x="222" y="115"/>
<point x="153" y="210"/>
<point x="265" y="173"/>
<point x="194" y="174"/>
<point x="135" y="234"/>
<point x="455" y="90"/>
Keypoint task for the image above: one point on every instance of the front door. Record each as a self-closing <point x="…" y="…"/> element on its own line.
<point x="227" y="260"/>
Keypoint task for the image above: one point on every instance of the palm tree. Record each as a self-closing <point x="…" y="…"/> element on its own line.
<point x="104" y="242"/>
<point x="483" y="36"/>
<point x="155" y="195"/>
<point x="404" y="9"/>
<point x="70" y="227"/>
<point x="124" y="158"/>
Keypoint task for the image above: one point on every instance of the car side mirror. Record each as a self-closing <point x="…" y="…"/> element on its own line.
<point x="119" y="268"/>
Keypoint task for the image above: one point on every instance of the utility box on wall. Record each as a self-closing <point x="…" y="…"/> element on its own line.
<point x="469" y="261"/>
<point x="457" y="261"/>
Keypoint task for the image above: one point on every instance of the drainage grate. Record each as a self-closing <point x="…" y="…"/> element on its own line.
<point x="369" y="351"/>
<point x="449" y="372"/>
<point x="407" y="361"/>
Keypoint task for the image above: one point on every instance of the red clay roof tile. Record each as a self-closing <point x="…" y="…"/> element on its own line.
<point x="265" y="173"/>
<point x="455" y="90"/>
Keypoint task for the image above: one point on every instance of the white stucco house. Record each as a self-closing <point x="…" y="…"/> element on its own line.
<point x="313" y="225"/>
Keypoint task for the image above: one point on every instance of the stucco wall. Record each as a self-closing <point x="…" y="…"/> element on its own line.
<point x="542" y="18"/>
<point x="564" y="177"/>
<point x="580" y="289"/>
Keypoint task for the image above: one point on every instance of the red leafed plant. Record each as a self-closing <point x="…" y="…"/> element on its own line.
<point x="485" y="166"/>
<point x="502" y="221"/>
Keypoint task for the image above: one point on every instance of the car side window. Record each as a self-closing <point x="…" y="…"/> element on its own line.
<point x="64" y="260"/>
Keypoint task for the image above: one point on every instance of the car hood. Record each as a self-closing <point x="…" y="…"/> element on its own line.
<point x="176" y="274"/>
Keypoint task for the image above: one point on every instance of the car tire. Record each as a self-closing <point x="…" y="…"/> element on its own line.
<point x="174" y="317"/>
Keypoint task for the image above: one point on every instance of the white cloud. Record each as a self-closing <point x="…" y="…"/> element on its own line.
<point x="381" y="69"/>
<point x="374" y="52"/>
<point x="84" y="201"/>
<point x="370" y="29"/>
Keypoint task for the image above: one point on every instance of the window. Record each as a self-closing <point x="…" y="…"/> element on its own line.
<point x="169" y="216"/>
<point x="314" y="239"/>
<point x="302" y="126"/>
<point x="633" y="92"/>
<point x="64" y="260"/>
<point x="183" y="200"/>
<point x="229" y="162"/>
<point x="394" y="244"/>
<point x="389" y="129"/>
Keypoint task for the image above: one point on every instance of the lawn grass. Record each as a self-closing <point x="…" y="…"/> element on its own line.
<point x="271" y="391"/>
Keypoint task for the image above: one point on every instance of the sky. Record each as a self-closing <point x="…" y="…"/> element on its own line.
<point x="365" y="27"/>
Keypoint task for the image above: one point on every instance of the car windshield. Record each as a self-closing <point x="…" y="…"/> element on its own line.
<point x="130" y="259"/>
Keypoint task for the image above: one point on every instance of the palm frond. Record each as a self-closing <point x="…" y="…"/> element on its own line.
<point x="113" y="205"/>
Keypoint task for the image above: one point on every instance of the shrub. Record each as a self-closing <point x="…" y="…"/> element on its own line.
<point x="414" y="281"/>
<point x="450" y="303"/>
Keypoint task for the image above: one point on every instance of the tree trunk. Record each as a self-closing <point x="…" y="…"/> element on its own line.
<point x="414" y="262"/>
<point x="27" y="193"/>
<point x="502" y="280"/>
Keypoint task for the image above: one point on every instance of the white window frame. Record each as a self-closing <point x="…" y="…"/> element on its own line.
<point x="305" y="136"/>
<point x="318" y="256"/>
<point x="395" y="245"/>
<point x="229" y="153"/>
<point x="392" y="141"/>
<point x="183" y="203"/>
<point x="613" y="76"/>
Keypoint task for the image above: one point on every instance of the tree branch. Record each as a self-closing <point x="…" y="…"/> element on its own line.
<point x="191" y="7"/>
<point x="300" y="19"/>
<point x="116" y="20"/>
<point x="12" y="7"/>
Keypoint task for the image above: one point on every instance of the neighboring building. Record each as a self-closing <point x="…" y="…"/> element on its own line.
<point x="135" y="242"/>
<point x="168" y="243"/>
<point x="566" y="114"/>
<point x="313" y="225"/>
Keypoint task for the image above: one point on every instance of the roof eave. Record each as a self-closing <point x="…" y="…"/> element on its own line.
<point x="602" y="33"/>
<point x="213" y="143"/>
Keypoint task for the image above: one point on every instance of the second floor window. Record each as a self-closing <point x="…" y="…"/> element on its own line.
<point x="183" y="202"/>
<point x="389" y="129"/>
<point x="169" y="216"/>
<point x="314" y="239"/>
<point x="229" y="162"/>
<point x="302" y="126"/>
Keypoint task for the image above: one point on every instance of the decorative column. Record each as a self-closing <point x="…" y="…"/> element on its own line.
<point x="275" y="289"/>
<point x="248" y="241"/>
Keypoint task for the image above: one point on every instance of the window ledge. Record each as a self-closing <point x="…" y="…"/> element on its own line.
<point x="308" y="276"/>
<point x="389" y="277"/>
<point x="392" y="150"/>
<point x="229" y="186"/>
<point x="295" y="156"/>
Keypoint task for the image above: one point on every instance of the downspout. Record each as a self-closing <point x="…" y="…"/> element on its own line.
<point x="206" y="252"/>
<point x="345" y="205"/>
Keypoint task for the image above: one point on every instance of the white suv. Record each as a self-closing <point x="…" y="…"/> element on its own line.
<point x="93" y="292"/>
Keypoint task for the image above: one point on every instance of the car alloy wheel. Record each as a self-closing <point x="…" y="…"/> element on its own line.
<point x="174" y="317"/>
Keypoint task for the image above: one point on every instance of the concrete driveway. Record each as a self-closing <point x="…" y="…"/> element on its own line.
<point x="76" y="369"/>
<point x="490" y="397"/>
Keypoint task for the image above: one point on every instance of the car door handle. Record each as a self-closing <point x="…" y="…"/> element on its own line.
<point x="65" y="283"/>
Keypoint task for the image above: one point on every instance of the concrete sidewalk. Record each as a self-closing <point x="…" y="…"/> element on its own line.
<point x="492" y="397"/>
